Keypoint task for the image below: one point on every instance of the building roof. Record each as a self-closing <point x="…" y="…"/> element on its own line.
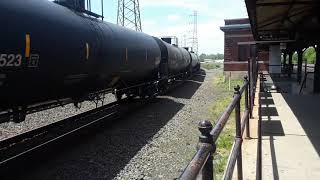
<point x="297" y="20"/>
<point x="236" y="27"/>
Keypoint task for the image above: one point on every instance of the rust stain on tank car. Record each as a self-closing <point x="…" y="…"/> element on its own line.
<point x="87" y="51"/>
<point x="27" y="50"/>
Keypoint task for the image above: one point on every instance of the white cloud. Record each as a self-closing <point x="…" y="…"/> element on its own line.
<point x="210" y="37"/>
<point x="211" y="15"/>
<point x="149" y="22"/>
<point x="216" y="9"/>
<point x="186" y="4"/>
<point x="173" y="17"/>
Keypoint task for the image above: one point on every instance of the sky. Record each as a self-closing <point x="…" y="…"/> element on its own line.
<point x="172" y="18"/>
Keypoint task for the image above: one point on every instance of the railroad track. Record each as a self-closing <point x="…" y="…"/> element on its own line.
<point x="21" y="149"/>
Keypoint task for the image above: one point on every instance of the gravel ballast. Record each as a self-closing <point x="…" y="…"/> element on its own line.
<point x="43" y="118"/>
<point x="155" y="142"/>
<point x="171" y="149"/>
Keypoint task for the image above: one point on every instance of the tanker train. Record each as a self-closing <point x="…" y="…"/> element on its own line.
<point x="58" y="52"/>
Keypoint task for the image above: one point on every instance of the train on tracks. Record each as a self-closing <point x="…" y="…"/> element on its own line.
<point x="58" y="52"/>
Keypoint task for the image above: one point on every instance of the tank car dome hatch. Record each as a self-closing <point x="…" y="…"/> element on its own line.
<point x="74" y="4"/>
<point x="80" y="6"/>
<point x="173" y="40"/>
<point x="167" y="40"/>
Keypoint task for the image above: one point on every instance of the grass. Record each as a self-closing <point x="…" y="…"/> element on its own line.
<point x="226" y="138"/>
<point x="222" y="83"/>
<point x="211" y="65"/>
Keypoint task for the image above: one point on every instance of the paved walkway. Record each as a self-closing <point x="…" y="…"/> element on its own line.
<point x="290" y="137"/>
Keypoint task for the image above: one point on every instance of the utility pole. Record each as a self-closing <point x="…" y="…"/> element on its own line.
<point x="129" y="14"/>
<point x="194" y="39"/>
<point x="184" y="41"/>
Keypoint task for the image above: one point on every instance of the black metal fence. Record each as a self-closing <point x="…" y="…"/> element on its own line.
<point x="253" y="68"/>
<point x="259" y="140"/>
<point x="206" y="148"/>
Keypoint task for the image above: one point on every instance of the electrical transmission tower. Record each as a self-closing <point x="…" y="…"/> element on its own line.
<point x="129" y="14"/>
<point x="194" y="39"/>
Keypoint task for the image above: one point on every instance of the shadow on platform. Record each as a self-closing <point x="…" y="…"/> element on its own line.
<point x="271" y="126"/>
<point x="304" y="107"/>
<point x="306" y="110"/>
<point x="290" y="128"/>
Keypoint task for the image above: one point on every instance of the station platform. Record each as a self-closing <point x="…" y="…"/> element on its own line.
<point x="290" y="132"/>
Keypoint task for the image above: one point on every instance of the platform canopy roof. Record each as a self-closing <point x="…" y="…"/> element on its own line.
<point x="283" y="20"/>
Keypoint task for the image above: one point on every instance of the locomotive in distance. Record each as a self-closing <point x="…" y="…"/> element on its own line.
<point x="58" y="52"/>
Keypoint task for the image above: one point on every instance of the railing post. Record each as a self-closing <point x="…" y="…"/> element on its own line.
<point x="249" y="78"/>
<point x="238" y="132"/>
<point x="259" y="144"/>
<point x="205" y="138"/>
<point x="247" y="106"/>
<point x="254" y="78"/>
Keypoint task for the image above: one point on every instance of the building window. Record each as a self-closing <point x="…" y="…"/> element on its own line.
<point x="243" y="52"/>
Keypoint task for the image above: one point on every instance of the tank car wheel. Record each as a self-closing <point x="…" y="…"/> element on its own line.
<point x="142" y="96"/>
<point x="19" y="115"/>
<point x="151" y="91"/>
<point x="129" y="96"/>
<point x="118" y="96"/>
<point x="77" y="105"/>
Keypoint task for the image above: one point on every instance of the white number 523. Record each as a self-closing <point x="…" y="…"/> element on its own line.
<point x="10" y="60"/>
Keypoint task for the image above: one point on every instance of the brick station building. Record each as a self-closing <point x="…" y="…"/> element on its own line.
<point x="238" y="48"/>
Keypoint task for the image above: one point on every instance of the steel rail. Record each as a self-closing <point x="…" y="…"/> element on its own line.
<point x="32" y="133"/>
<point x="52" y="130"/>
<point x="11" y="144"/>
<point x="6" y="114"/>
<point x="53" y="140"/>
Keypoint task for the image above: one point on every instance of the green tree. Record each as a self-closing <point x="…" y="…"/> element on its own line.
<point x="220" y="56"/>
<point x="202" y="57"/>
<point x="295" y="58"/>
<point x="211" y="56"/>
<point x="310" y="55"/>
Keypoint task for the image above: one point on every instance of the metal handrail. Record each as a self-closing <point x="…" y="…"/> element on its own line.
<point x="203" y="159"/>
<point x="197" y="163"/>
<point x="224" y="118"/>
<point x="233" y="158"/>
<point x="206" y="148"/>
